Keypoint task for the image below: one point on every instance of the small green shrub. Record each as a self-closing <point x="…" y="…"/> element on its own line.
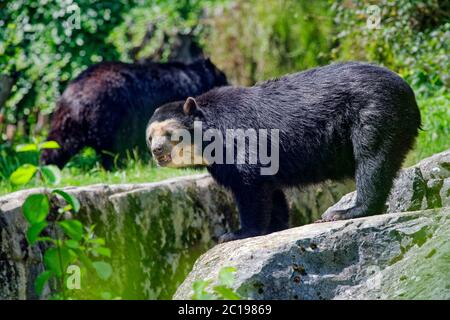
<point x="221" y="291"/>
<point x="10" y="160"/>
<point x="265" y="39"/>
<point x="435" y="136"/>
<point x="413" y="39"/>
<point x="86" y="160"/>
<point x="70" y="244"/>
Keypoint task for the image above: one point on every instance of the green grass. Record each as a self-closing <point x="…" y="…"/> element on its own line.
<point x="435" y="136"/>
<point x="85" y="170"/>
<point x="136" y="173"/>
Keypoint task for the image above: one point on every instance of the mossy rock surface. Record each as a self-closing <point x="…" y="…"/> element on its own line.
<point x="390" y="256"/>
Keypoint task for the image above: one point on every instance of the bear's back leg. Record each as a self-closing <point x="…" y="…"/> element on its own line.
<point x="379" y="155"/>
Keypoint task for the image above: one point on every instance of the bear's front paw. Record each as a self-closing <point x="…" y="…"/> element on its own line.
<point x="333" y="216"/>
<point x="231" y="236"/>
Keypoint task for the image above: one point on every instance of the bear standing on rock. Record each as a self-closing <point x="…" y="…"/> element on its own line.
<point x="108" y="105"/>
<point x="334" y="122"/>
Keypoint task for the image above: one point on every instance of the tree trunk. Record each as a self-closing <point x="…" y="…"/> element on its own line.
<point x="6" y="84"/>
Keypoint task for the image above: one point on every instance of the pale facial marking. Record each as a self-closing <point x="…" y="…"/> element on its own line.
<point x="160" y="128"/>
<point x="172" y="153"/>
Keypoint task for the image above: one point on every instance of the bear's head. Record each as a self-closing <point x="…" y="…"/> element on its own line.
<point x="170" y="135"/>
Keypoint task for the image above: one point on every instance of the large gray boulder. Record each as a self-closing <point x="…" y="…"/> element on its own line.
<point x="391" y="256"/>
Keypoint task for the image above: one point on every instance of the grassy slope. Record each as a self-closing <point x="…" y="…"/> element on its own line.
<point x="435" y="136"/>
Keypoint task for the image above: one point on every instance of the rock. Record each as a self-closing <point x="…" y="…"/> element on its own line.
<point x="390" y="256"/>
<point x="155" y="231"/>
<point x="423" y="186"/>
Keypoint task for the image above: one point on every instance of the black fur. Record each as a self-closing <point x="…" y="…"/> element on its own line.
<point x="108" y="105"/>
<point x="342" y="120"/>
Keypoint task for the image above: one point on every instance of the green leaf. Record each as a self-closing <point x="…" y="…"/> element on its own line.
<point x="99" y="241"/>
<point x="226" y="277"/>
<point x="84" y="259"/>
<point x="23" y="174"/>
<point x="72" y="228"/>
<point x="34" y="230"/>
<point x="41" y="280"/>
<point x="73" y="244"/>
<point x="200" y="292"/>
<point x="51" y="174"/>
<point x="49" y="145"/>
<point x="103" y="251"/>
<point x="104" y="269"/>
<point x="46" y="239"/>
<point x="36" y="208"/>
<point x="27" y="147"/>
<point x="72" y="200"/>
<point x="226" y="293"/>
<point x="58" y="262"/>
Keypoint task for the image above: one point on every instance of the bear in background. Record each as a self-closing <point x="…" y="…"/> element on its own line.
<point x="107" y="106"/>
<point x="346" y="120"/>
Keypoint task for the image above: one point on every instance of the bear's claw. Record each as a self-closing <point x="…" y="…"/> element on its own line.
<point x="333" y="216"/>
<point x="231" y="236"/>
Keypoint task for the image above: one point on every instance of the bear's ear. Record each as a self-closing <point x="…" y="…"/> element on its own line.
<point x="190" y="107"/>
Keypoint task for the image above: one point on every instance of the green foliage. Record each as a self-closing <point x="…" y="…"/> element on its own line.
<point x="41" y="280"/>
<point x="221" y="291"/>
<point x="36" y="208"/>
<point x="145" y="28"/>
<point x="72" y="228"/>
<point x="49" y="222"/>
<point x="86" y="160"/>
<point x="103" y="269"/>
<point x="48" y="42"/>
<point x="256" y="40"/>
<point x="51" y="174"/>
<point x="435" y="136"/>
<point x="70" y="200"/>
<point x="412" y="39"/>
<point x="10" y="160"/>
<point x="23" y="174"/>
<point x="44" y="44"/>
<point x="35" y="230"/>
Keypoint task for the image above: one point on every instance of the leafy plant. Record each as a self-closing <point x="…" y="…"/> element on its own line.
<point x="266" y="39"/>
<point x="221" y="291"/>
<point x="412" y="39"/>
<point x="70" y="243"/>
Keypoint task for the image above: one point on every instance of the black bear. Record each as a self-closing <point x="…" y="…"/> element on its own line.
<point x="108" y="105"/>
<point x="343" y="120"/>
